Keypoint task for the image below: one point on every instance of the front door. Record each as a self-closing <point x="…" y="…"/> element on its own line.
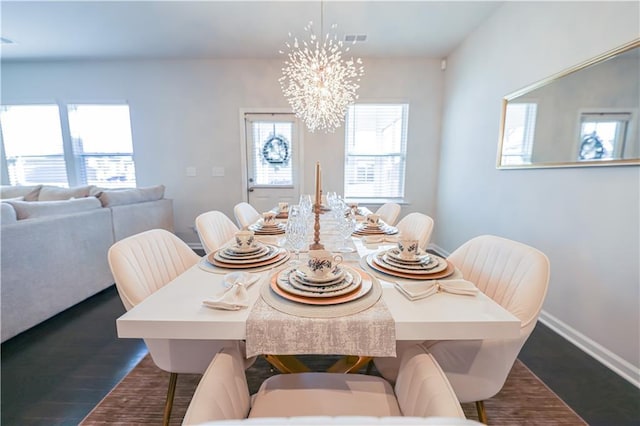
<point x="273" y="159"/>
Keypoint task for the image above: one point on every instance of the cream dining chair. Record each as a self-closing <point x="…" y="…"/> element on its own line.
<point x="421" y="390"/>
<point x="514" y="275"/>
<point x="389" y="213"/>
<point x="214" y="230"/>
<point x="418" y="226"/>
<point x="142" y="264"/>
<point x="245" y="214"/>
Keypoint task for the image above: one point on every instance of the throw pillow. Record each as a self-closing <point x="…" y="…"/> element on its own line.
<point x="31" y="210"/>
<point x="29" y="192"/>
<point x="116" y="197"/>
<point x="52" y="193"/>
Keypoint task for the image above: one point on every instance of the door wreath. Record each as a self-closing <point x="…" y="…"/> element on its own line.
<point x="276" y="150"/>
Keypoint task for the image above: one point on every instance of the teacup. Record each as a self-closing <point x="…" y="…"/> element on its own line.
<point x="373" y="219"/>
<point x="245" y="240"/>
<point x="408" y="248"/>
<point x="268" y="218"/>
<point x="283" y="207"/>
<point x="321" y="263"/>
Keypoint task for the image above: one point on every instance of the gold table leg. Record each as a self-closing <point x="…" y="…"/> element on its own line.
<point x="286" y="363"/>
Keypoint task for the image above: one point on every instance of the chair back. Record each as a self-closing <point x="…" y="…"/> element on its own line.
<point x="389" y="213"/>
<point x="417" y="225"/>
<point x="422" y="389"/>
<point x="145" y="262"/>
<point x="214" y="230"/>
<point x="223" y="393"/>
<point x="245" y="214"/>
<point x="513" y="274"/>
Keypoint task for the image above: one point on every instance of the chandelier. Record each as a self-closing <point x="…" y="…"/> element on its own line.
<point x="317" y="81"/>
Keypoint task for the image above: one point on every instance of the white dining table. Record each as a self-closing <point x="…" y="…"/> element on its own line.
<point x="176" y="312"/>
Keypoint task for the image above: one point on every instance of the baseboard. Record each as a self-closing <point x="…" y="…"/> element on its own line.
<point x="195" y="246"/>
<point x="439" y="250"/>
<point x="623" y="368"/>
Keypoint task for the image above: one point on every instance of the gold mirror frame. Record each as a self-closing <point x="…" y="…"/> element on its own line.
<point x="635" y="44"/>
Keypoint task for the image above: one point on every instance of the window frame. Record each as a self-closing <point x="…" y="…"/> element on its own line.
<point x="401" y="155"/>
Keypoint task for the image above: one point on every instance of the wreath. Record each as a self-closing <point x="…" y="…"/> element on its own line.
<point x="276" y="150"/>
<point x="591" y="147"/>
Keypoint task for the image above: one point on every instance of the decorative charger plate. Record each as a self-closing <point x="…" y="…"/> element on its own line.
<point x="260" y="229"/>
<point x="361" y="291"/>
<point x="440" y="265"/>
<point x="225" y="255"/>
<point x="385" y="229"/>
<point x="421" y="257"/>
<point x="345" y="281"/>
<point x="450" y="269"/>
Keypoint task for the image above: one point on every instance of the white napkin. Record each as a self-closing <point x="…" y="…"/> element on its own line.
<point x="235" y="295"/>
<point x="415" y="290"/>
<point x="460" y="286"/>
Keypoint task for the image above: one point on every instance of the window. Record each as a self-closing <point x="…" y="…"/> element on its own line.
<point x="33" y="144"/>
<point x="603" y="135"/>
<point x="272" y="150"/>
<point x="519" y="129"/>
<point x="375" y="151"/>
<point x="94" y="149"/>
<point x="102" y="146"/>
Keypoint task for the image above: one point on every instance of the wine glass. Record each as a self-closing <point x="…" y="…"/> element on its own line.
<point x="346" y="226"/>
<point x="296" y="232"/>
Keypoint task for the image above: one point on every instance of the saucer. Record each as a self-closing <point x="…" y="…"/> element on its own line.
<point x="335" y="274"/>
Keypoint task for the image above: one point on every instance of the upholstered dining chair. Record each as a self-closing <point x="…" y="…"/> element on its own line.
<point x="142" y="264"/>
<point x="214" y="229"/>
<point x="245" y="214"/>
<point x="418" y="226"/>
<point x="389" y="213"/>
<point x="421" y="390"/>
<point x="514" y="275"/>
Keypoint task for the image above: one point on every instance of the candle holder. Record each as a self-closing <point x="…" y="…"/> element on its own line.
<point x="316" y="229"/>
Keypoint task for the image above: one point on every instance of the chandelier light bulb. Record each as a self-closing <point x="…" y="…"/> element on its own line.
<point x="317" y="82"/>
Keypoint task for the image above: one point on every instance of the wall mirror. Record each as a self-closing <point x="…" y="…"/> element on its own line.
<point x="584" y="116"/>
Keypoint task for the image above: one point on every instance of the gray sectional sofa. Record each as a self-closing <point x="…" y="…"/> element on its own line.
<point x="54" y="244"/>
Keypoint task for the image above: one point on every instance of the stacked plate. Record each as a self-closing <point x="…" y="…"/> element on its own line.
<point x="233" y="257"/>
<point x="423" y="266"/>
<point x="340" y="285"/>
<point x="381" y="228"/>
<point x="260" y="228"/>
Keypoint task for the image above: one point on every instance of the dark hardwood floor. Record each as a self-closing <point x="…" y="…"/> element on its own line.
<point x="55" y="373"/>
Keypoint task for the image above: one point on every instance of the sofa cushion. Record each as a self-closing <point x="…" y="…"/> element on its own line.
<point x="35" y="209"/>
<point x="7" y="214"/>
<point x="116" y="197"/>
<point x="29" y="192"/>
<point x="52" y="193"/>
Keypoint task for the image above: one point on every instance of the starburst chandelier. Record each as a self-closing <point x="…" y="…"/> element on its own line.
<point x="317" y="81"/>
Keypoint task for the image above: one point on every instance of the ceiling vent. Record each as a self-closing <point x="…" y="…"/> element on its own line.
<point x="353" y="38"/>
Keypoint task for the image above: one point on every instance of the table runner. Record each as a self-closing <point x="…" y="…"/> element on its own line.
<point x="367" y="333"/>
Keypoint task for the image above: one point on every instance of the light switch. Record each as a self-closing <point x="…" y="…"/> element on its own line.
<point x="217" y="171"/>
<point x="191" y="171"/>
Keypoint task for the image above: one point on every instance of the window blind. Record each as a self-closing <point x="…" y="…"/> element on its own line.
<point x="375" y="151"/>
<point x="33" y="144"/>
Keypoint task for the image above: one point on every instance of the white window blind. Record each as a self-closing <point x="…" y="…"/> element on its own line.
<point x="375" y="151"/>
<point x="33" y="144"/>
<point x="102" y="144"/>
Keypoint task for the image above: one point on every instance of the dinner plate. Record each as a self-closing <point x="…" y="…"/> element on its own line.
<point x="430" y="265"/>
<point x="334" y="275"/>
<point x="264" y="251"/>
<point x="414" y="275"/>
<point x="385" y="230"/>
<point x="220" y="256"/>
<point x="279" y="256"/>
<point x="285" y="284"/>
<point x="345" y="281"/>
<point x="237" y="251"/>
<point x="421" y="257"/>
<point x="380" y="259"/>
<point x="365" y="287"/>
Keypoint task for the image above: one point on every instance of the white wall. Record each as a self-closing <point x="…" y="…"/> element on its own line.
<point x="585" y="219"/>
<point x="186" y="113"/>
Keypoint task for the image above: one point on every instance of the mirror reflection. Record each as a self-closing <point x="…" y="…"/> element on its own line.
<point x="585" y="116"/>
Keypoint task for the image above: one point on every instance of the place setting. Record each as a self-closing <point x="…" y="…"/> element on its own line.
<point x="245" y="252"/>
<point x="408" y="260"/>
<point x="268" y="225"/>
<point x="374" y="226"/>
